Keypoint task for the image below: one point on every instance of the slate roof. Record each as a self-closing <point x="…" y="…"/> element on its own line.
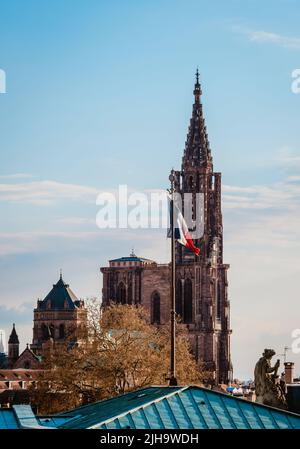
<point x="188" y="407"/>
<point x="13" y="338"/>
<point x="56" y="298"/>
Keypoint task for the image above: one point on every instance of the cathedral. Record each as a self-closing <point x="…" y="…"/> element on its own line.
<point x="201" y="281"/>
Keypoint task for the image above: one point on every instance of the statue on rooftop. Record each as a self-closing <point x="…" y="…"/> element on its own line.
<point x="269" y="388"/>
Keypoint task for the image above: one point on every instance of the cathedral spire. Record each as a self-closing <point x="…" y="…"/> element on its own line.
<point x="197" y="150"/>
<point x="197" y="89"/>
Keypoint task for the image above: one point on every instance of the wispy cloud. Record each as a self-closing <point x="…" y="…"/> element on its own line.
<point x="268" y="37"/>
<point x="45" y="192"/>
<point x="13" y="243"/>
<point x="281" y="195"/>
<point x="17" y="176"/>
<point x="276" y="39"/>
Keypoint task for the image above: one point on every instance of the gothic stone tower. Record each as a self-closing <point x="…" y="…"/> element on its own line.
<point x="201" y="282"/>
<point x="57" y="318"/>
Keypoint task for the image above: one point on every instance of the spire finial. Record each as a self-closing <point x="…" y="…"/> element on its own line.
<point x="197" y="76"/>
<point x="132" y="253"/>
<point x="197" y="89"/>
<point x="60" y="274"/>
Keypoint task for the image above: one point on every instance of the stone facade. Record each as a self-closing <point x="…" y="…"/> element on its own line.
<point x="27" y="360"/>
<point x="57" y="318"/>
<point x="201" y="281"/>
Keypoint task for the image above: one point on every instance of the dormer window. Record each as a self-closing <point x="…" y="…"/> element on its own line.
<point x="66" y="304"/>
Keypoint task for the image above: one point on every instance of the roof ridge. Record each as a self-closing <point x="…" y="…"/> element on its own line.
<point x="146" y="404"/>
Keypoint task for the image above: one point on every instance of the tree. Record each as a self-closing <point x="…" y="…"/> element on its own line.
<point x="118" y="351"/>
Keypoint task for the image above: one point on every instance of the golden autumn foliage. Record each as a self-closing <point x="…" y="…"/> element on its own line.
<point x="118" y="351"/>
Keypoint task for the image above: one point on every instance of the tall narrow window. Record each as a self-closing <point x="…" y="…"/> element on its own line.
<point x="155" y="308"/>
<point x="218" y="305"/>
<point x="121" y="294"/>
<point x="179" y="297"/>
<point x="61" y="331"/>
<point x="45" y="333"/>
<point x="188" y="302"/>
<point x="52" y="330"/>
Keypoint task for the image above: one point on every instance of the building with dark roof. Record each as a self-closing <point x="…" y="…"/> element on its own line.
<point x="57" y="317"/>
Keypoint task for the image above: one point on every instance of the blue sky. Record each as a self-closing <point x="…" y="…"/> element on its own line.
<point x="99" y="93"/>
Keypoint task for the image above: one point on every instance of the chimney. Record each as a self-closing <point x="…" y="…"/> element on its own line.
<point x="289" y="368"/>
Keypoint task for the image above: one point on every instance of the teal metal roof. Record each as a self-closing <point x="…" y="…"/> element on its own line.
<point x="8" y="419"/>
<point x="158" y="408"/>
<point x="103" y="410"/>
<point x="22" y="417"/>
<point x="18" y="417"/>
<point x="179" y="408"/>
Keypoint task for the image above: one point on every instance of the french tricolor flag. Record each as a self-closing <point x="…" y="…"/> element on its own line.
<point x="181" y="231"/>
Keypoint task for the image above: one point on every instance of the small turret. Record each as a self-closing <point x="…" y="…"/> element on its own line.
<point x="13" y="347"/>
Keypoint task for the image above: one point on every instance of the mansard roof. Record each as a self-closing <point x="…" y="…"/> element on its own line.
<point x="60" y="297"/>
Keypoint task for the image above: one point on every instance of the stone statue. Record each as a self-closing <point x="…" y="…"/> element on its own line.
<point x="269" y="389"/>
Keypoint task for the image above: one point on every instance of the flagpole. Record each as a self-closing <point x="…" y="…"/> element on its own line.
<point x="172" y="379"/>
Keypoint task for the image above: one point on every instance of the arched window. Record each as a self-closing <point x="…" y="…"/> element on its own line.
<point x="191" y="183"/>
<point x="188" y="302"/>
<point x="61" y="331"/>
<point x="178" y="305"/>
<point x="121" y="293"/>
<point x="155" y="315"/>
<point x="26" y="364"/>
